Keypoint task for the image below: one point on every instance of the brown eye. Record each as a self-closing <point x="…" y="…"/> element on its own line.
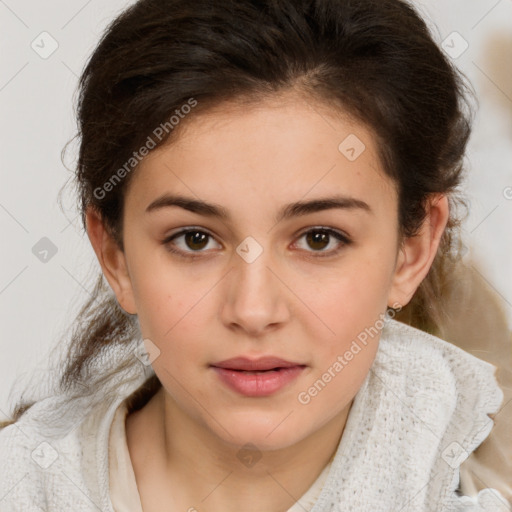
<point x="190" y="241"/>
<point x="320" y="238"/>
<point x="196" y="239"/>
<point x="317" y="239"/>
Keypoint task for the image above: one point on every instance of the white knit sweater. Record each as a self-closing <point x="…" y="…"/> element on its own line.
<point x="422" y="409"/>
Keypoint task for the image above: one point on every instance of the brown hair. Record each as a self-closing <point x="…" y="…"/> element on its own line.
<point x="374" y="59"/>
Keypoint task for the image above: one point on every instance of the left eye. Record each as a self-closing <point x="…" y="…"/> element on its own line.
<point x="319" y="238"/>
<point x="195" y="240"/>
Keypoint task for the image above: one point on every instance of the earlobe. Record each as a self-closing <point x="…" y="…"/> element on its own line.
<point x="417" y="253"/>
<point x="111" y="259"/>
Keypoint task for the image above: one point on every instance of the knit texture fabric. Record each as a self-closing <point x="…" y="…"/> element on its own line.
<point x="421" y="410"/>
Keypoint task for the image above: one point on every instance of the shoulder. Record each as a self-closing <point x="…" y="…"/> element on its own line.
<point x="35" y="454"/>
<point x="449" y="387"/>
<point x="445" y="398"/>
<point x="55" y="457"/>
<point x="424" y="358"/>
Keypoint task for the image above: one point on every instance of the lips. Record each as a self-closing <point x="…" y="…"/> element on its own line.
<point x="257" y="377"/>
<point x="255" y="365"/>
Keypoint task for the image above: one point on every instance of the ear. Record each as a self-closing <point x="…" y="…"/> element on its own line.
<point x="112" y="260"/>
<point x="418" y="252"/>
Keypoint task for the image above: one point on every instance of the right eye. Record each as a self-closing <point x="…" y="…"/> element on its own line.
<point x="191" y="238"/>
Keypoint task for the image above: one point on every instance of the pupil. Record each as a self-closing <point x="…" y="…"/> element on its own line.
<point x="316" y="237"/>
<point x="196" y="237"/>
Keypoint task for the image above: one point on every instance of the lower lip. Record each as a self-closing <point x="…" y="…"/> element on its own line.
<point x="260" y="383"/>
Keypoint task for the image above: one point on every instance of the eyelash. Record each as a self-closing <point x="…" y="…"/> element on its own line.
<point x="342" y="238"/>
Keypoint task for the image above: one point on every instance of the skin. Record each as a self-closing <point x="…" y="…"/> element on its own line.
<point x="289" y="302"/>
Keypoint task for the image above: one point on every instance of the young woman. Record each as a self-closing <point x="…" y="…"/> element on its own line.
<point x="266" y="186"/>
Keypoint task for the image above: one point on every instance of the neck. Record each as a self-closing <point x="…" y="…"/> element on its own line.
<point x="201" y="470"/>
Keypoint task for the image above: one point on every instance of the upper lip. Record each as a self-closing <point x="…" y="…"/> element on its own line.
<point x="259" y="364"/>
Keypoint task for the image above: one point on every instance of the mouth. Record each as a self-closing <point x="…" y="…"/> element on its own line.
<point x="261" y="364"/>
<point x="257" y="377"/>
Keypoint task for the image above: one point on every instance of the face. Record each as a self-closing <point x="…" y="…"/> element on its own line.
<point x="235" y="271"/>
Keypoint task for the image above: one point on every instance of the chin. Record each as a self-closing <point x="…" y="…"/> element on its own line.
<point x="263" y="430"/>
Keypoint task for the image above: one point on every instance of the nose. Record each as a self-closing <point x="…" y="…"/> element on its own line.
<point x="256" y="296"/>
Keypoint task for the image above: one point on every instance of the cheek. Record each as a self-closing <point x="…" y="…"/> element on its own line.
<point x="350" y="299"/>
<point x="352" y="309"/>
<point x="163" y="306"/>
<point x="174" y="314"/>
<point x="163" y="291"/>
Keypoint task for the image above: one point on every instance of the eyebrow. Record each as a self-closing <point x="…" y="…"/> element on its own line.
<point x="289" y="211"/>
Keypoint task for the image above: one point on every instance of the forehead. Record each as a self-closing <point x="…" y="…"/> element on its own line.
<point x="266" y="153"/>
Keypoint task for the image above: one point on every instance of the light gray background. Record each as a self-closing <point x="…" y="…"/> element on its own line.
<point x="38" y="300"/>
